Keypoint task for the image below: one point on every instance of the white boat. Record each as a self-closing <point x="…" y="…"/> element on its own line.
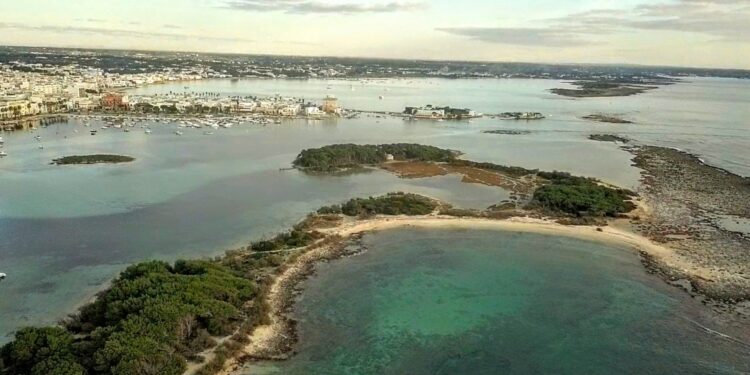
<point x="2" y="140"/>
<point x="147" y="131"/>
<point x="2" y="276"/>
<point x="178" y="132"/>
<point x="3" y="154"/>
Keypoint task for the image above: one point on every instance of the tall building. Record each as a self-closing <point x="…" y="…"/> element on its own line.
<point x="331" y="105"/>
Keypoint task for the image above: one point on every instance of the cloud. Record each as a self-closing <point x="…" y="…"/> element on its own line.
<point x="116" y="32"/>
<point x="519" y="36"/>
<point x="93" y="20"/>
<point x="315" y="6"/>
<point x="724" y="20"/>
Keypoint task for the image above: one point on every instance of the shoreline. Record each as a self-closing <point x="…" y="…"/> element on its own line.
<point x="275" y="341"/>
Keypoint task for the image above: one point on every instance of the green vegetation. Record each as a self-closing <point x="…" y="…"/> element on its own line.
<point x="342" y="156"/>
<point x="288" y="240"/>
<point x="580" y="196"/>
<point x="510" y="171"/>
<point x="608" y="138"/>
<point x="92" y="159"/>
<point x="390" y="204"/>
<point x="41" y="351"/>
<point x="152" y="319"/>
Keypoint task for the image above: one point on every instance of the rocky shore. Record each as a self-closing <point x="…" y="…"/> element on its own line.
<point x="687" y="200"/>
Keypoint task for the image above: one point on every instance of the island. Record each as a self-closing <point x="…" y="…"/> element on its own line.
<point x="440" y="113"/>
<point x="93" y="159"/>
<point x="599" y="89"/>
<point x="208" y="316"/>
<point x="520" y="116"/>
<point x="507" y="132"/>
<point x="607" y="118"/>
<point x="608" y="138"/>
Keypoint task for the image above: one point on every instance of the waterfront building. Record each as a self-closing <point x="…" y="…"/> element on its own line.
<point x="331" y="105"/>
<point x="113" y="101"/>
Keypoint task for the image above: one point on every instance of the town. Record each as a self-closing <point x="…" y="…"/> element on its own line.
<point x="70" y="89"/>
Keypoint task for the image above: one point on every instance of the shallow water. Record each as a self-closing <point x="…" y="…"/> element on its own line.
<point x="425" y="301"/>
<point x="66" y="230"/>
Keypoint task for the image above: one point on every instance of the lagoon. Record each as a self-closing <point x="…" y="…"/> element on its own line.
<point x="427" y="301"/>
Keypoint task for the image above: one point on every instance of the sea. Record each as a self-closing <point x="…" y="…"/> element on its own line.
<point x="65" y="231"/>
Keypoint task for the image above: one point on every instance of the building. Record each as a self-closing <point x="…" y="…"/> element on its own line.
<point x="313" y="110"/>
<point x="430" y="112"/>
<point x="331" y="105"/>
<point x="289" y="110"/>
<point x="113" y="101"/>
<point x="427" y="112"/>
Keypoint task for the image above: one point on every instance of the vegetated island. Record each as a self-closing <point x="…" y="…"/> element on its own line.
<point x="597" y="89"/>
<point x="507" y="132"/>
<point x="606" y="118"/>
<point x="93" y="159"/>
<point x="207" y="316"/>
<point x="608" y="138"/>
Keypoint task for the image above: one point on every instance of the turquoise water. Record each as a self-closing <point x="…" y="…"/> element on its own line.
<point x="65" y="231"/>
<point x="480" y="302"/>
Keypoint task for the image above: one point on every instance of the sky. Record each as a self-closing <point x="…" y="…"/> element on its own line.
<point x="699" y="33"/>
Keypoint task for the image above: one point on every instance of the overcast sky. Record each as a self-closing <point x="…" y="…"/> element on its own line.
<point x="712" y="33"/>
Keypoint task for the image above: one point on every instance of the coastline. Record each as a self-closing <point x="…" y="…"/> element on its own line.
<point x="275" y="341"/>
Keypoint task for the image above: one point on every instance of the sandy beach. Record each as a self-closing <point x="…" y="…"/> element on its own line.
<point x="273" y="341"/>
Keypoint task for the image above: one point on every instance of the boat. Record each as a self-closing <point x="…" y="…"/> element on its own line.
<point x="3" y="154"/>
<point x="2" y="276"/>
<point x="178" y="132"/>
<point x="208" y="133"/>
<point x="38" y="137"/>
<point x="147" y="131"/>
<point x="2" y="140"/>
<point x="381" y="97"/>
<point x="93" y="132"/>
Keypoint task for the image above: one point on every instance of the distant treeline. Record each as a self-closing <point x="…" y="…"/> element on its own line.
<point x="134" y="62"/>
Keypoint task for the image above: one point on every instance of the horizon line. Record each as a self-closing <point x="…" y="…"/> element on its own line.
<point x="620" y="64"/>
